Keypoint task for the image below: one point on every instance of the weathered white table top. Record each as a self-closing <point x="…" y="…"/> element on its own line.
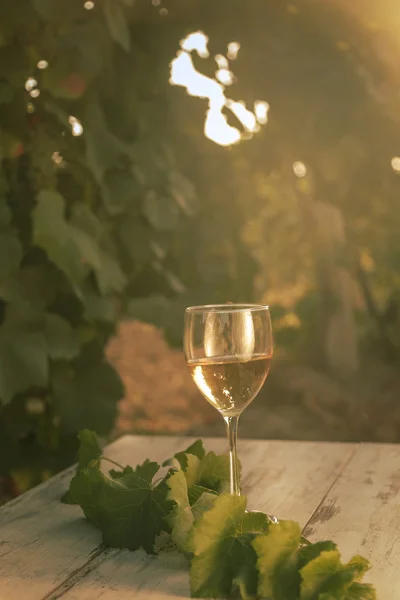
<point x="349" y="493"/>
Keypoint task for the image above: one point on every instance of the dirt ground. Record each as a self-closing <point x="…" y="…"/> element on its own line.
<point x="296" y="402"/>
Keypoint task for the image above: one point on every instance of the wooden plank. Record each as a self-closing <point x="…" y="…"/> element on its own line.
<point x="289" y="478"/>
<point x="43" y="541"/>
<point x="362" y="514"/>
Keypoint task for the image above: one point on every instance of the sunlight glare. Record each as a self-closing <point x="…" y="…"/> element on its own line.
<point x="233" y="50"/>
<point x="216" y="126"/>
<point x="246" y="117"/>
<point x="76" y="126"/>
<point x="184" y="73"/>
<point x="30" y="83"/>
<point x="299" y="169"/>
<point x="396" y="164"/>
<point x="57" y="158"/>
<point x="225" y="76"/>
<point x="221" y="61"/>
<point x="196" y="41"/>
<point x="261" y="109"/>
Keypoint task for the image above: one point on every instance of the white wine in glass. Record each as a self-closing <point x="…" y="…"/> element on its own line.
<point x="228" y="349"/>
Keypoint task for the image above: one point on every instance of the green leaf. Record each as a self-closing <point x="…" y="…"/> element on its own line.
<point x="117" y="474"/>
<point x="70" y="248"/>
<point x="104" y="151"/>
<point x="360" y="591"/>
<point x="246" y="576"/>
<point x="59" y="11"/>
<point x="6" y="92"/>
<point x="62" y="340"/>
<point x="86" y="397"/>
<point x="85" y="219"/>
<point x="183" y="192"/>
<point x="23" y="355"/>
<point x="135" y="238"/>
<point x="277" y="553"/>
<point x="129" y="510"/>
<point x="212" y="471"/>
<point x="202" y="504"/>
<point x="223" y="555"/>
<point x="196" y="491"/>
<point x="35" y="286"/>
<point x="14" y="65"/>
<point x="5" y="212"/>
<point x="119" y="191"/>
<point x="153" y="309"/>
<point x="110" y="277"/>
<point x="10" y="254"/>
<point x="74" y="249"/>
<point x="181" y="518"/>
<point x="196" y="449"/>
<point x="161" y="213"/>
<point x="312" y="551"/>
<point x="117" y="23"/>
<point x="89" y="448"/>
<point x="62" y="83"/>
<point x="99" y="308"/>
<point x="327" y="577"/>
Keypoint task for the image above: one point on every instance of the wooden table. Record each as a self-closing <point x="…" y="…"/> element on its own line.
<point x="349" y="493"/>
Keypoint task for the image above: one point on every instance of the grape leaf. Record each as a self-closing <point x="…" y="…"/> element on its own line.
<point x="231" y="550"/>
<point x="277" y="560"/>
<point x="70" y="248"/>
<point x="86" y="396"/>
<point x="181" y="518"/>
<point x="312" y="551"/>
<point x="326" y="577"/>
<point x="184" y="513"/>
<point x="33" y="285"/>
<point x="162" y="213"/>
<point x="62" y="340"/>
<point x="23" y="354"/>
<point x="103" y="149"/>
<point x="202" y="504"/>
<point x="196" y="491"/>
<point x="197" y="449"/>
<point x="209" y="470"/>
<point x="212" y="471"/>
<point x="223" y="555"/>
<point x="129" y="510"/>
<point x="117" y="474"/>
<point x="89" y="448"/>
<point x="10" y="254"/>
<point x="361" y="591"/>
<point x="117" y="24"/>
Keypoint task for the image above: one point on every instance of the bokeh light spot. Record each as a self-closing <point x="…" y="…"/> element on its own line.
<point x="299" y="169"/>
<point x="395" y="162"/>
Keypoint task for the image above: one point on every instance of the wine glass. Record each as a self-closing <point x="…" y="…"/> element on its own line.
<point x="228" y="349"/>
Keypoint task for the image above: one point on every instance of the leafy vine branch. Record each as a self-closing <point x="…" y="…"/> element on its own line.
<point x="230" y="551"/>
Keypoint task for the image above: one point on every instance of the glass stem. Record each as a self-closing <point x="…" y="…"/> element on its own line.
<point x="231" y="428"/>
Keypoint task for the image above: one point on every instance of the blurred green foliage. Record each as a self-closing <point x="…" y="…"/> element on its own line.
<point x="96" y="216"/>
